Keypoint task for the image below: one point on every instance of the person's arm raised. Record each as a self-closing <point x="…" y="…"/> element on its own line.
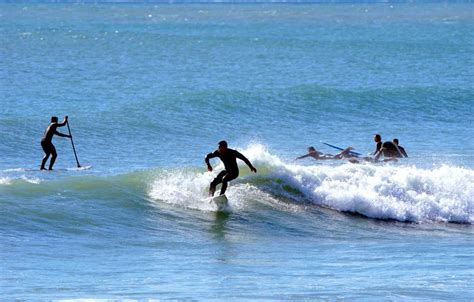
<point x="63" y="123"/>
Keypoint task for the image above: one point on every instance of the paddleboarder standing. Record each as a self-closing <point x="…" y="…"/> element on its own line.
<point x="47" y="141"/>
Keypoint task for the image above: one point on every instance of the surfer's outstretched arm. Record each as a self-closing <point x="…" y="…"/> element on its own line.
<point x="209" y="156"/>
<point x="402" y="150"/>
<point x="303" y="156"/>
<point x="245" y="160"/>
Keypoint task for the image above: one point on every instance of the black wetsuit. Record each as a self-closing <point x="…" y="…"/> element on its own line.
<point x="390" y="150"/>
<point x="231" y="169"/>
<point x="377" y="148"/>
<point x="402" y="151"/>
<point x="47" y="144"/>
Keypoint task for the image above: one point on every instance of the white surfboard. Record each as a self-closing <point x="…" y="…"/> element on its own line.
<point x="220" y="201"/>
<point x="81" y="168"/>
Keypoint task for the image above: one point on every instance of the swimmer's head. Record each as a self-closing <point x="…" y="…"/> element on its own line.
<point x="311" y="149"/>
<point x="377" y="138"/>
<point x="54" y="119"/>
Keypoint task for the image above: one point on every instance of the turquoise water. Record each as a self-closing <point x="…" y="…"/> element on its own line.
<point x="151" y="89"/>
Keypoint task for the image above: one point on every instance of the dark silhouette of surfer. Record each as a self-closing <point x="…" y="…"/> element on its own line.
<point x="47" y="141"/>
<point x="389" y="150"/>
<point x="378" y="143"/>
<point x="231" y="170"/>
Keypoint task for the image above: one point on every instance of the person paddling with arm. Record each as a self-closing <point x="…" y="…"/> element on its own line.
<point x="312" y="152"/>
<point x="47" y="141"/>
<point x="231" y="170"/>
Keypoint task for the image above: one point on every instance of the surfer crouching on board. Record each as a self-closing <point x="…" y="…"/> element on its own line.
<point x="47" y="141"/>
<point x="231" y="170"/>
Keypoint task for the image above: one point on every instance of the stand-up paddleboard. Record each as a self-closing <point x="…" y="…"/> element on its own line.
<point x="341" y="149"/>
<point x="54" y="170"/>
<point x="220" y="202"/>
<point x="79" y="168"/>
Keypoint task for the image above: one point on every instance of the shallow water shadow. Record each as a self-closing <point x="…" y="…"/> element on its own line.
<point x="218" y="227"/>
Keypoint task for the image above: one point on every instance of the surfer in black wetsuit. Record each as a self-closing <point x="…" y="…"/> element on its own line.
<point x="400" y="148"/>
<point x="47" y="141"/>
<point x="231" y="170"/>
<point x="378" y="143"/>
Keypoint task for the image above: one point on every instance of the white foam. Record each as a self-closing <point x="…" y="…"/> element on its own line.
<point x="387" y="191"/>
<point x="384" y="191"/>
<point x="31" y="180"/>
<point x="10" y="181"/>
<point x="183" y="188"/>
<point x="5" y="181"/>
<point x="15" y="170"/>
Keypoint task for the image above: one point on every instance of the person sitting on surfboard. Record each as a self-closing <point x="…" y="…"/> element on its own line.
<point x="231" y="170"/>
<point x="400" y="148"/>
<point x="47" y="141"/>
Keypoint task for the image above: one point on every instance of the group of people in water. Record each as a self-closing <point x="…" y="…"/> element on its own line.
<point x="389" y="150"/>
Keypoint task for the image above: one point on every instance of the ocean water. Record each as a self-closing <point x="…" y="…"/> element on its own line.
<point x="150" y="90"/>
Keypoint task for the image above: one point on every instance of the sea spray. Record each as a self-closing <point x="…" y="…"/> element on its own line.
<point x="382" y="191"/>
<point x="392" y="191"/>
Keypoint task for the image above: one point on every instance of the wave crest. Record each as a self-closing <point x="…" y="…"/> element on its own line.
<point x="382" y="191"/>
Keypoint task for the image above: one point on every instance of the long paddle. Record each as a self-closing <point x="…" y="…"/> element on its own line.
<point x="72" y="142"/>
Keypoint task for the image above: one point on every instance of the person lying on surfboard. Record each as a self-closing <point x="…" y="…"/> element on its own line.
<point x="231" y="170"/>
<point x="345" y="153"/>
<point x="47" y="141"/>
<point x="312" y="152"/>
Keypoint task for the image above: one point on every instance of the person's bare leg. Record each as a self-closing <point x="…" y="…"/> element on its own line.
<point x="344" y="153"/>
